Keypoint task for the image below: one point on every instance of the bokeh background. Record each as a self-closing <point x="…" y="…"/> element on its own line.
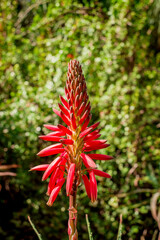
<point x="117" y="43"/>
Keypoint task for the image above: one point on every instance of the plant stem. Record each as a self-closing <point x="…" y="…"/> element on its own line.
<point x="72" y="222"/>
<point x="89" y="228"/>
<point x="120" y="228"/>
<point x="34" y="228"/>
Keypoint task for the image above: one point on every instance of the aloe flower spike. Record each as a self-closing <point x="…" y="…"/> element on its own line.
<point x="74" y="140"/>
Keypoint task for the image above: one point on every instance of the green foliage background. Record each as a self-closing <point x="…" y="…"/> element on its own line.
<point x="117" y="43"/>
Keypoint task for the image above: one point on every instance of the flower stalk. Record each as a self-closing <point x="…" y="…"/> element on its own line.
<point x="72" y="222"/>
<point x="75" y="140"/>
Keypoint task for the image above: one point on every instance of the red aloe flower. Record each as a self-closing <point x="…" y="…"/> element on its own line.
<point x="74" y="140"/>
<point x="70" y="178"/>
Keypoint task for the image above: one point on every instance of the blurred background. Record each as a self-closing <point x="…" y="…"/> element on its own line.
<point x="117" y="43"/>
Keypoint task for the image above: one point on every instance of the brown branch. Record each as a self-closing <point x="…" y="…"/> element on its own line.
<point x="4" y="167"/>
<point x="2" y="174"/>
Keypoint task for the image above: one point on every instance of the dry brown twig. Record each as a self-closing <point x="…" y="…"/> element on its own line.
<point x="155" y="210"/>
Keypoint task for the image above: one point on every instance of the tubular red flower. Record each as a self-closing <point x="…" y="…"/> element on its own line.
<point x="52" y="181"/>
<point x="81" y="109"/>
<point x="101" y="173"/>
<point x="90" y="135"/>
<point x="100" y="156"/>
<point x="89" y="148"/>
<point x="85" y="132"/>
<point x="95" y="142"/>
<point x="51" y="127"/>
<point x="70" y="178"/>
<point x="87" y="185"/>
<point x="95" y="125"/>
<point x="64" y="110"/>
<point x="65" y="118"/>
<point x="49" y="152"/>
<point x="51" y="167"/>
<point x="57" y="174"/>
<point x="58" y="145"/>
<point x="56" y="112"/>
<point x="83" y="118"/>
<point x="93" y="137"/>
<point x="73" y="120"/>
<point x="66" y="130"/>
<point x="50" y="138"/>
<point x="93" y="186"/>
<point x="56" y="134"/>
<point x="86" y="122"/>
<point x="41" y="167"/>
<point x="64" y="102"/>
<point x="88" y="162"/>
<point x="55" y="192"/>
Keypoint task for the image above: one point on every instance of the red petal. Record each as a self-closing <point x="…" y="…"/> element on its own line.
<point x="41" y="167"/>
<point x="66" y="130"/>
<point x="49" y="152"/>
<point x="91" y="148"/>
<point x="56" y="112"/>
<point x="77" y="92"/>
<point x="101" y="173"/>
<point x="51" y="167"/>
<point x="64" y="110"/>
<point x="50" y="138"/>
<point x="95" y="125"/>
<point x="95" y="143"/>
<point x="87" y="185"/>
<point x="70" y="178"/>
<point x="57" y="173"/>
<point x="53" y="195"/>
<point x="56" y="134"/>
<point x="61" y="182"/>
<point x="73" y="120"/>
<point x="92" y="137"/>
<point x="88" y="162"/>
<point x="93" y="186"/>
<point x="88" y="106"/>
<point x="52" y="182"/>
<point x="83" y="118"/>
<point x="58" y="145"/>
<point x="81" y="109"/>
<point x="95" y="132"/>
<point x="72" y="96"/>
<point x="55" y="192"/>
<point x="65" y="103"/>
<point x="85" y="132"/>
<point x="100" y="156"/>
<point x="77" y="101"/>
<point x="86" y="122"/>
<point x="66" y="92"/>
<point x="51" y="127"/>
<point x="65" y="118"/>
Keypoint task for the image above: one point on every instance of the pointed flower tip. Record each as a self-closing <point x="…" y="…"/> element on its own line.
<point x="49" y="204"/>
<point x="43" y="179"/>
